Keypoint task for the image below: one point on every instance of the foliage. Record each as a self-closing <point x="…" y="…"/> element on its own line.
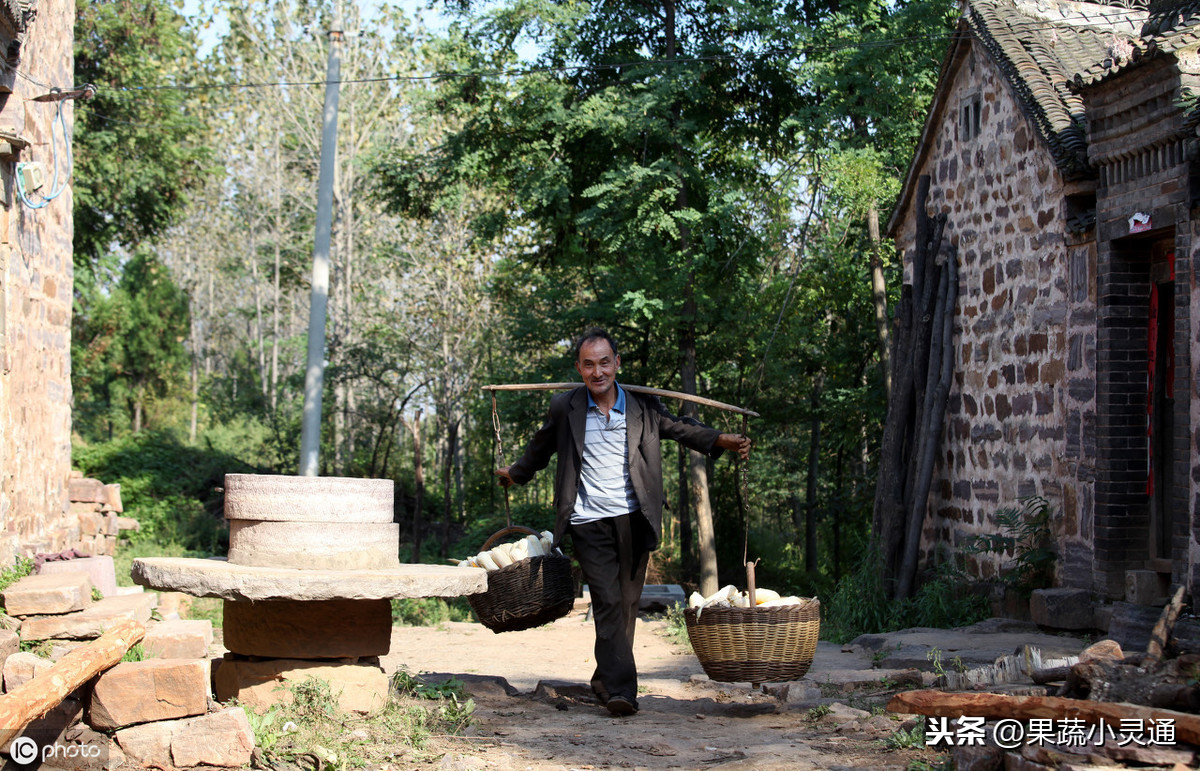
<point x="429" y="611"/>
<point x="13" y="573"/>
<point x="908" y="739"/>
<point x="677" y="626"/>
<point x="135" y="653"/>
<point x="137" y="147"/>
<point x="860" y="606"/>
<point x="1024" y="534"/>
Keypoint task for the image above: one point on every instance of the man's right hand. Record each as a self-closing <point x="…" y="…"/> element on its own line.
<point x="506" y="480"/>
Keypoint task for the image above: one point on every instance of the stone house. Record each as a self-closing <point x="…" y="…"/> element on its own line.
<point x="1062" y="146"/>
<point x="36" y="273"/>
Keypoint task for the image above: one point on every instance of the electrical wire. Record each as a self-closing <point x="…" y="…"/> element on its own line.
<point x="55" y="189"/>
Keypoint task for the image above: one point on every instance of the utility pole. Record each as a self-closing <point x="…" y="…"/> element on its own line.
<point x="314" y="373"/>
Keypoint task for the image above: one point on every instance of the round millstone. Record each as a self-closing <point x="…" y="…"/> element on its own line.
<point x="218" y="578"/>
<point x="262" y="497"/>
<point x="314" y="545"/>
<point x="293" y="629"/>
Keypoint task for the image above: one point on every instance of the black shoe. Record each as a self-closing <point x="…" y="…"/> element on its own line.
<point x="619" y="706"/>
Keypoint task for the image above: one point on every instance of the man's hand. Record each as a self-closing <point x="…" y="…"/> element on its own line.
<point x="738" y="443"/>
<point x="505" y="479"/>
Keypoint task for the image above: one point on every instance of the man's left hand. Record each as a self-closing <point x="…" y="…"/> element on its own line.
<point x="739" y="443"/>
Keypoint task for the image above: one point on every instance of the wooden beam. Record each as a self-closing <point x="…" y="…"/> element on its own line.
<point x="32" y="700"/>
<point x="1164" y="627"/>
<point x="994" y="705"/>
<point x="637" y="389"/>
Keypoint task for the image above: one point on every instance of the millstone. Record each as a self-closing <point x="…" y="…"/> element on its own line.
<point x="288" y="629"/>
<point x="262" y="497"/>
<point x="314" y="545"/>
<point x="218" y="578"/>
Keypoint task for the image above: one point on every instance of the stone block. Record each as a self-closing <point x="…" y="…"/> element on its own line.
<point x="91" y="523"/>
<point x="89" y="623"/>
<point x="308" y="499"/>
<point x="99" y="569"/>
<point x="149" y="691"/>
<point x="48" y="594"/>
<point x="10" y="643"/>
<point x="290" y="629"/>
<point x="20" y="668"/>
<point x="1061" y="608"/>
<point x="86" y="491"/>
<point x="310" y="545"/>
<point x="1142" y="587"/>
<point x="219" y="739"/>
<point x="173" y="605"/>
<point x="178" y="639"/>
<point x="83" y="509"/>
<point x="113" y="493"/>
<point x="256" y="684"/>
<point x="128" y="523"/>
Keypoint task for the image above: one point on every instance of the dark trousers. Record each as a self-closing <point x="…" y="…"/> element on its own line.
<point x="613" y="553"/>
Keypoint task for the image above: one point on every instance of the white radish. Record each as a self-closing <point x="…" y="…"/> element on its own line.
<point x="500" y="557"/>
<point x="485" y="561"/>
<point x="696" y="600"/>
<point x="765" y="595"/>
<point x="533" y="546"/>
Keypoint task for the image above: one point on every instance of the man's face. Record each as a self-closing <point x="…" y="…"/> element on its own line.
<point x="597" y="365"/>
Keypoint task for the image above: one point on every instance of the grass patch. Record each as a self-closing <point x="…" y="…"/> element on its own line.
<point x="430" y="611"/>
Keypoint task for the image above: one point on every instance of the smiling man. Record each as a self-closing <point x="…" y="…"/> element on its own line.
<point x="609" y="497"/>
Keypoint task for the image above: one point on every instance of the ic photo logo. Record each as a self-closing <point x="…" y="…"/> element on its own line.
<point x="23" y="750"/>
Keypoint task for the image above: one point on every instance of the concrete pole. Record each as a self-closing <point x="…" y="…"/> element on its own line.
<point x="314" y="374"/>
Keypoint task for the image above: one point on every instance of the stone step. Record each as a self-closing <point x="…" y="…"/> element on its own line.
<point x="89" y="623"/>
<point x="308" y="499"/>
<point x="359" y="687"/>
<point x="218" y="578"/>
<point x="314" y="545"/>
<point x="291" y="629"/>
<point x="148" y="691"/>
<point x="50" y="593"/>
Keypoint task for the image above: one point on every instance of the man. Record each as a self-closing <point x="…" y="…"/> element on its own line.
<point x="608" y="495"/>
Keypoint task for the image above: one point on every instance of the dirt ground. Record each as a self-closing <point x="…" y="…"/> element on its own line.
<point x="534" y="710"/>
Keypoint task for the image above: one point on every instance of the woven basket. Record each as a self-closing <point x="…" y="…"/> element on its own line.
<point x="525" y="594"/>
<point x="755" y="645"/>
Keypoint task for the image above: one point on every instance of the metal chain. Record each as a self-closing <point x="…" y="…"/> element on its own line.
<point x="500" y="457"/>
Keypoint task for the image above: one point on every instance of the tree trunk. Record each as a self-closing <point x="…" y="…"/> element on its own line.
<point x="419" y="486"/>
<point x="879" y="296"/>
<point x="687" y="558"/>
<point x="814" y="468"/>
<point x="447" y="483"/>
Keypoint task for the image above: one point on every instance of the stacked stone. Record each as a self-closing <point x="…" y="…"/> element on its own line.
<point x="156" y="710"/>
<point x="97" y="509"/>
<point x="307" y="524"/>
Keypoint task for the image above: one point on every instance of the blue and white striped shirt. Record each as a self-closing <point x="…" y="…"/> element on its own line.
<point x="605" y="489"/>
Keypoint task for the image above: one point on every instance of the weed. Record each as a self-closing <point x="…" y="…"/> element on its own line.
<point x="405" y="684"/>
<point x="887" y="683"/>
<point x="267" y="729"/>
<point x="1024" y="533"/>
<point x="830" y="690"/>
<point x="135" y="653"/>
<point x="910" y="739"/>
<point x="429" y="611"/>
<point x="818" y="712"/>
<point x="676" y="630"/>
<point x="935" y="655"/>
<point x="10" y="575"/>
<point x="940" y="763"/>
<point x="39" y="648"/>
<point x="97" y="595"/>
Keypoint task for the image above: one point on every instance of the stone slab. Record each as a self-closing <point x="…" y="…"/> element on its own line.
<point x="256" y="684"/>
<point x="89" y="623"/>
<point x="315" y="545"/>
<point x="308" y="499"/>
<point x="218" y="578"/>
<point x="219" y="739"/>
<point x="49" y="594"/>
<point x="291" y="629"/>
<point x="86" y="490"/>
<point x="179" y="639"/>
<point x="1131" y="626"/>
<point x="99" y="569"/>
<point x="1062" y="608"/>
<point x="148" y="691"/>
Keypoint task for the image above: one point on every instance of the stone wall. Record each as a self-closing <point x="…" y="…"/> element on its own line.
<point x="1021" y="414"/>
<point x="35" y="304"/>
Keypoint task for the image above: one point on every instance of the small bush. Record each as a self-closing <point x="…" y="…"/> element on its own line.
<point x="430" y="611"/>
<point x="1025" y="534"/>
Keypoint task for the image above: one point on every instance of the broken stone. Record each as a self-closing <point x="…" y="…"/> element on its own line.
<point x="10" y="643"/>
<point x="113" y="494"/>
<point x="1105" y="650"/>
<point x="86" y="491"/>
<point x="128" y="523"/>
<point x="89" y="623"/>
<point x="45" y="594"/>
<point x="329" y="629"/>
<point x="840" y="713"/>
<point x="79" y="748"/>
<point x="219" y="739"/>
<point x="99" y="569"/>
<point x="63" y="647"/>
<point x="172" y="605"/>
<point x="308" y="499"/>
<point x="257" y="684"/>
<point x="178" y="639"/>
<point x="309" y="545"/>
<point x="1061" y="608"/>
<point x="20" y="668"/>
<point x="218" y="578"/>
<point x="146" y="691"/>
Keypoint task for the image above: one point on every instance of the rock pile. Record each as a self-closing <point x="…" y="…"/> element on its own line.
<point x="97" y="507"/>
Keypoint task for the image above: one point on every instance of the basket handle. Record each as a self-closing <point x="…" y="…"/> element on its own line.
<point x="504" y="533"/>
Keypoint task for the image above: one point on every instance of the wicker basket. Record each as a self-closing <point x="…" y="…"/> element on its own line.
<point x="526" y="594"/>
<point x="755" y="645"/>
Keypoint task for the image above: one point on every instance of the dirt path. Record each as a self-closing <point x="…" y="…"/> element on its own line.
<point x="546" y="719"/>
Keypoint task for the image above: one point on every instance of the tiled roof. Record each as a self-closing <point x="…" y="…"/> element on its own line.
<point x="1040" y="45"/>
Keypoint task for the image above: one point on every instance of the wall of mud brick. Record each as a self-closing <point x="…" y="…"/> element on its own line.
<point x="36" y="274"/>
<point x="1021" y="415"/>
